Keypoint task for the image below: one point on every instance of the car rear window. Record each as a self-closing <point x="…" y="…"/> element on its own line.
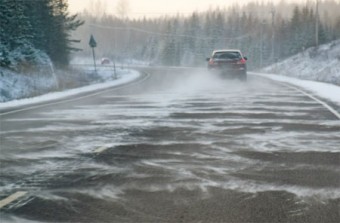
<point x="227" y="55"/>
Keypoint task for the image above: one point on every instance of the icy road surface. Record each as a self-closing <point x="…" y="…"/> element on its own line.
<point x="180" y="146"/>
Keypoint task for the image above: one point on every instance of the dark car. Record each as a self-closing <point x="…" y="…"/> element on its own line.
<point x="229" y="63"/>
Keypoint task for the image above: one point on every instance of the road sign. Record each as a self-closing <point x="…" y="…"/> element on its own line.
<point x="92" y="42"/>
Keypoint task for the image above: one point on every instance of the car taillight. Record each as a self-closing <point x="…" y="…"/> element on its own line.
<point x="242" y="61"/>
<point x="211" y="62"/>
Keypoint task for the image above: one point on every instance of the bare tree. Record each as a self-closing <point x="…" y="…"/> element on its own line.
<point x="97" y="8"/>
<point x="123" y="8"/>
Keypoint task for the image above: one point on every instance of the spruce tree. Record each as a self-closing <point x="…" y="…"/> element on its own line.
<point x="29" y="25"/>
<point x="59" y="42"/>
<point x="16" y="34"/>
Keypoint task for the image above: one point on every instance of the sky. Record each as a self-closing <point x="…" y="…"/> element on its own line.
<point x="154" y="8"/>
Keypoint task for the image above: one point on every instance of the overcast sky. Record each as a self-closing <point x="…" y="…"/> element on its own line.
<point x="151" y="8"/>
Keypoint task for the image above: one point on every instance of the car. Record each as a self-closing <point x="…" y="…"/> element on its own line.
<point x="105" y="61"/>
<point x="228" y="63"/>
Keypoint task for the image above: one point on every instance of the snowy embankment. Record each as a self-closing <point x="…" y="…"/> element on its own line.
<point x="18" y="85"/>
<point x="322" y="64"/>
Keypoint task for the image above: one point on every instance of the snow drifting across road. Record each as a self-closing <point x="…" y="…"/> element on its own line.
<point x="329" y="92"/>
<point x="123" y="79"/>
<point x="309" y="69"/>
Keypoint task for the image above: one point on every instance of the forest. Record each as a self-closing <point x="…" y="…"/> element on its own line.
<point x="265" y="32"/>
<point x="36" y="32"/>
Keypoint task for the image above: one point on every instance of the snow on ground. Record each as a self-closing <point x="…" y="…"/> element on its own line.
<point x="321" y="65"/>
<point x="327" y="91"/>
<point x="14" y="85"/>
<point x="123" y="76"/>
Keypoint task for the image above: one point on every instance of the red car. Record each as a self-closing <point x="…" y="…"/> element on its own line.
<point x="230" y="63"/>
<point x="105" y="61"/>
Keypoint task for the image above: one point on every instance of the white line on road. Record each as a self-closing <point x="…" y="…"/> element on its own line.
<point x="12" y="198"/>
<point x="101" y="149"/>
<point x="332" y="110"/>
<point x="78" y="98"/>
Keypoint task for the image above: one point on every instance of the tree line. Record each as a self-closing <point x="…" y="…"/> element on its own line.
<point x="263" y="31"/>
<point x="33" y="32"/>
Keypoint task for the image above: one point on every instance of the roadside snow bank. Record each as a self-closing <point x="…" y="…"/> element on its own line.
<point x="322" y="64"/>
<point x="327" y="91"/>
<point x="123" y="77"/>
<point x="14" y="85"/>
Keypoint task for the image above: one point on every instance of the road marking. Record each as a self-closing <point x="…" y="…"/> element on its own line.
<point x="114" y="88"/>
<point x="328" y="107"/>
<point x="101" y="149"/>
<point x="11" y="198"/>
<point x="332" y="110"/>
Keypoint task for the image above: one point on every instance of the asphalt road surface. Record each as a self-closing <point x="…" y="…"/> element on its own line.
<point x="178" y="145"/>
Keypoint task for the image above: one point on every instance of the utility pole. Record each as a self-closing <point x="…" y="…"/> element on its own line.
<point x="93" y="44"/>
<point x="261" y="46"/>
<point x="128" y="37"/>
<point x="317" y="24"/>
<point x="115" y="55"/>
<point x="273" y="33"/>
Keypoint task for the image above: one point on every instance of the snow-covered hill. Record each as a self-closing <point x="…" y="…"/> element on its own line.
<point x="322" y="64"/>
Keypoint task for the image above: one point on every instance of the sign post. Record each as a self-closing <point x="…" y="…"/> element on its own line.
<point x="93" y="44"/>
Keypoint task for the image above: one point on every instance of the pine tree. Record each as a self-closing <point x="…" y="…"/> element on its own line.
<point x="218" y="31"/>
<point x="16" y="33"/>
<point x="59" y="42"/>
<point x="337" y="28"/>
<point x="29" y="25"/>
<point x="40" y="15"/>
<point x="169" y="51"/>
<point x="296" y="41"/>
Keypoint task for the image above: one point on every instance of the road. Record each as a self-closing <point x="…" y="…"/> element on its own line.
<point x="177" y="146"/>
